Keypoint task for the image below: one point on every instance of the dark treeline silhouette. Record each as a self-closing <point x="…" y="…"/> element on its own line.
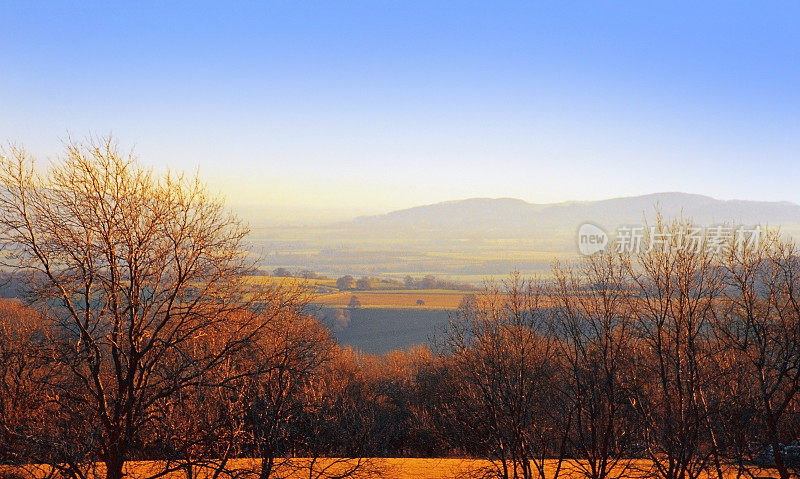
<point x="140" y="340"/>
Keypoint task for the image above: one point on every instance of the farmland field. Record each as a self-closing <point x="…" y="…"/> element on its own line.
<point x="325" y="292"/>
<point x="384" y="320"/>
<point x="379" y="330"/>
<point x="430" y="299"/>
<point x="290" y="282"/>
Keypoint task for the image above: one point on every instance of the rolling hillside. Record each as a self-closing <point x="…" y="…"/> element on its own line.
<point x="479" y="237"/>
<point x="508" y="217"/>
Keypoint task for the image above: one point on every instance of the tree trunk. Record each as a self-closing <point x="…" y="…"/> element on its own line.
<point x="114" y="465"/>
<point x="267" y="463"/>
<point x="773" y="436"/>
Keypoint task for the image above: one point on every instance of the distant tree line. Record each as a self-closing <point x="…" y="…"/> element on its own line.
<point x="432" y="282"/>
<point x="282" y="272"/>
<point x="365" y="283"/>
<point x="139" y="340"/>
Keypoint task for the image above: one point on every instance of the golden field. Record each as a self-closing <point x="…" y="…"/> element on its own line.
<point x="372" y="468"/>
<point x="290" y="282"/>
<point x="324" y="292"/>
<point x="433" y="299"/>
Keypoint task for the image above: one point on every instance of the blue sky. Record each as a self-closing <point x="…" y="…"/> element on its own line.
<point x="342" y="108"/>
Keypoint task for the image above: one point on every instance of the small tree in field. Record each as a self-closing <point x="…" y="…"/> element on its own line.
<point x="345" y="283"/>
<point x="354" y="302"/>
<point x="136" y="270"/>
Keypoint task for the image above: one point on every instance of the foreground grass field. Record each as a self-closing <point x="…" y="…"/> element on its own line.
<point x="374" y="468"/>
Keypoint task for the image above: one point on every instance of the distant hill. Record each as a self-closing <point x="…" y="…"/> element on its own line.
<point x="509" y="217"/>
<point x="468" y="240"/>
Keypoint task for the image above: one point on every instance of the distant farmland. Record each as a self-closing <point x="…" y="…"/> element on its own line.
<point x="430" y="299"/>
<point x="384" y="320"/>
<point x="387" y="320"/>
<point x="379" y="330"/>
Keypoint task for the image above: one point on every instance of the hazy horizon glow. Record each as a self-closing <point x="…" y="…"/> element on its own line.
<point x="346" y="109"/>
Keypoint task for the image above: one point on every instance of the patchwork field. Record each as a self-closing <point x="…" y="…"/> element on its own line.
<point x="384" y="319"/>
<point x="325" y="292"/>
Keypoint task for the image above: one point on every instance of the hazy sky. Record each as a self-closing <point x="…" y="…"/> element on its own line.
<point x="356" y="107"/>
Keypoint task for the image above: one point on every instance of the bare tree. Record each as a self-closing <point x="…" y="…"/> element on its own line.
<point x="759" y="324"/>
<point x="135" y="268"/>
<point x="201" y="430"/>
<point x="676" y="287"/>
<point x="503" y="356"/>
<point x="592" y="316"/>
<point x="26" y="402"/>
<point x="344" y="423"/>
<point x="281" y="361"/>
